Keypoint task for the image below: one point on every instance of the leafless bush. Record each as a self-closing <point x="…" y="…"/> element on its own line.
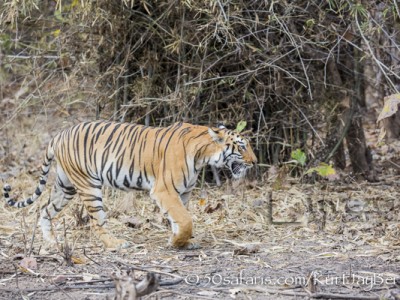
<point x="286" y="68"/>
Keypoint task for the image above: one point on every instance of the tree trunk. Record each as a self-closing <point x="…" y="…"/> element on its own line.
<point x="360" y="156"/>
<point x="347" y="121"/>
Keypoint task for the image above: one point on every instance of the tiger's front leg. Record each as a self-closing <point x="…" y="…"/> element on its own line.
<point x="180" y="219"/>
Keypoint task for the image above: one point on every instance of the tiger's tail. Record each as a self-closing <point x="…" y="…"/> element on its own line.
<point x="42" y="182"/>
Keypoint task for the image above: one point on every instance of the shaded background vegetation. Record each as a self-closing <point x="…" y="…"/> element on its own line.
<point x="301" y="73"/>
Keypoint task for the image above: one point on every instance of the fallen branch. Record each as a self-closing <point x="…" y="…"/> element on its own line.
<point x="342" y="296"/>
<point x="56" y="288"/>
<point x="287" y="292"/>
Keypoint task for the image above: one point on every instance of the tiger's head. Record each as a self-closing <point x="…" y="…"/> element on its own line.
<point x="235" y="151"/>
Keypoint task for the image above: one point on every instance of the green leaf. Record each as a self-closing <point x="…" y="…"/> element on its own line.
<point x="58" y="15"/>
<point x="310" y="23"/>
<point x="5" y="41"/>
<point x="324" y="170"/>
<point x="56" y="33"/>
<point x="299" y="156"/>
<point x="240" y="126"/>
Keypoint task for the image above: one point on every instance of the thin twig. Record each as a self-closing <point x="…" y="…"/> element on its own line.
<point x="33" y="233"/>
<point x="84" y="253"/>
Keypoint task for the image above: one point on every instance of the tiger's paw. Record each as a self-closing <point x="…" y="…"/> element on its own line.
<point x="49" y="241"/>
<point x="192" y="246"/>
<point x="50" y="246"/>
<point x="189" y="245"/>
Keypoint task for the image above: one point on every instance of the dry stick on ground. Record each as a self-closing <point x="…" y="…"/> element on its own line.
<point x="33" y="233"/>
<point x="53" y="232"/>
<point x="152" y="271"/>
<point x="67" y="251"/>
<point x="23" y="225"/>
<point x="91" y="259"/>
<point x="286" y="292"/>
<point x="342" y="296"/>
<point x="178" y="293"/>
<point x="60" y="288"/>
<point x="16" y="276"/>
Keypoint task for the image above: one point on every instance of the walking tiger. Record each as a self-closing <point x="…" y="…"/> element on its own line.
<point x="165" y="161"/>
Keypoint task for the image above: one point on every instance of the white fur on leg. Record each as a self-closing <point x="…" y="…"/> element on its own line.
<point x="174" y="225"/>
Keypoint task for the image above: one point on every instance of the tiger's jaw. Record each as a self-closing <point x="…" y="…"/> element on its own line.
<point x="239" y="169"/>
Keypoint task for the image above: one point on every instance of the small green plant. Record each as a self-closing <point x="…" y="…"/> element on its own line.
<point x="324" y="170"/>
<point x="240" y="126"/>
<point x="299" y="157"/>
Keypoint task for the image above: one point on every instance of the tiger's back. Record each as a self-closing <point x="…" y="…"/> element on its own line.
<point x="127" y="156"/>
<point x="109" y="153"/>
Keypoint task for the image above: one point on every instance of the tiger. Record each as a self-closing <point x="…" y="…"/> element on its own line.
<point x="163" y="160"/>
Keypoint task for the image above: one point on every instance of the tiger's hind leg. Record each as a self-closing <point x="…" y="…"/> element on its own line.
<point x="63" y="193"/>
<point x="92" y="199"/>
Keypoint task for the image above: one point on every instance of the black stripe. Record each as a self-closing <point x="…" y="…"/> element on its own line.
<point x="131" y="170"/>
<point x="109" y="174"/>
<point x="184" y="179"/>
<point x="55" y="207"/>
<point x="99" y="132"/>
<point x="169" y="140"/>
<point x="92" y="209"/>
<point x="110" y="137"/>
<point x="201" y="134"/>
<point x="104" y="158"/>
<point x="186" y="158"/>
<point x="118" y="141"/>
<point x="173" y="184"/>
<point x="155" y="141"/>
<point x="145" y="173"/>
<point x="85" y="145"/>
<point x="122" y="143"/>
<point x="166" y="130"/>
<point x="184" y="132"/>
<point x="93" y="198"/>
<point x="38" y="191"/>
<point x="139" y="181"/>
<point x="126" y="182"/>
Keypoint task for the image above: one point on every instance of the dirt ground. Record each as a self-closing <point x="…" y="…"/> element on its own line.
<point x="329" y="240"/>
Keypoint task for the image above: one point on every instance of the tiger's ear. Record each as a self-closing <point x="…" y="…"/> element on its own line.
<point x="216" y="135"/>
